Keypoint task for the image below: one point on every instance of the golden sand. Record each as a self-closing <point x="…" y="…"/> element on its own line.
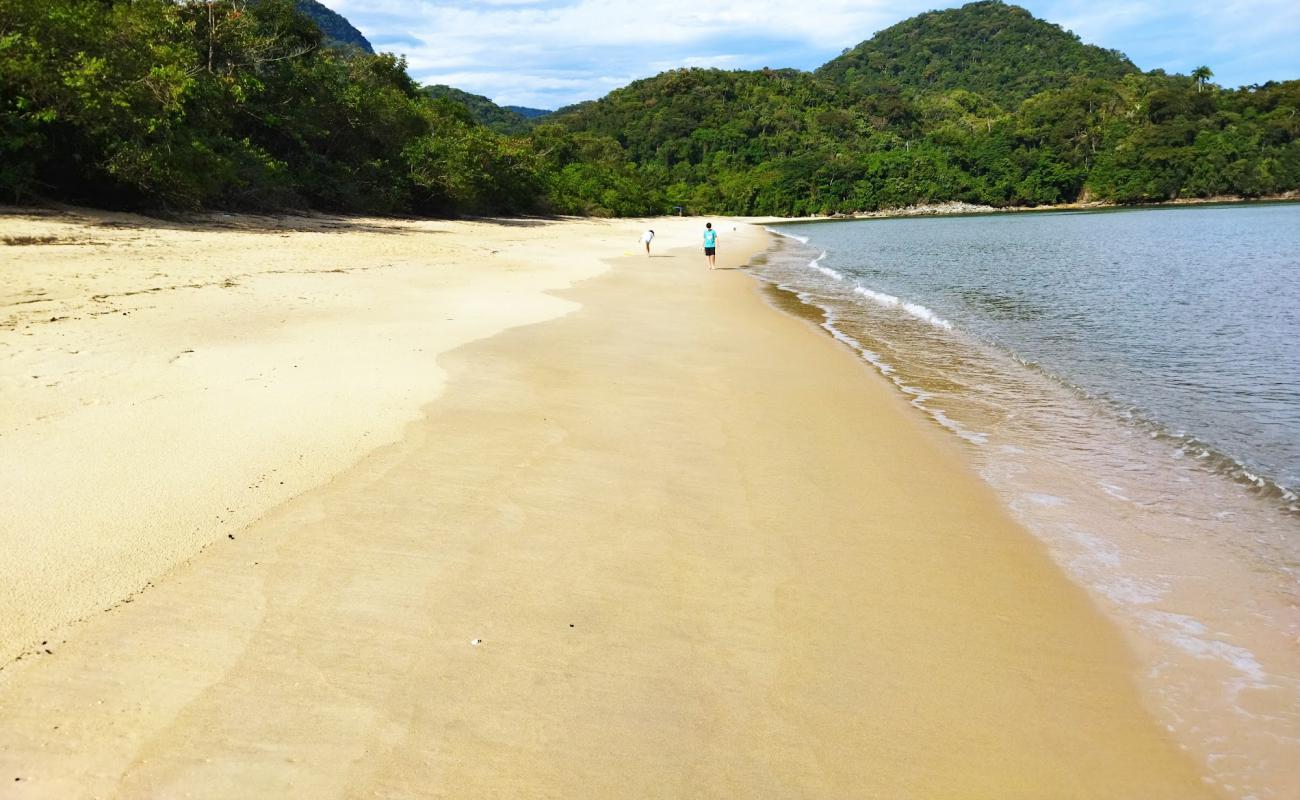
<point x="671" y="544"/>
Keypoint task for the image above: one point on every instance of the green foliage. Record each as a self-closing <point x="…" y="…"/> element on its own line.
<point x="239" y="104"/>
<point x="230" y="104"/>
<point x="1020" y="113"/>
<point x="466" y="167"/>
<point x="528" y="113"/>
<point x="334" y="26"/>
<point x="483" y="110"/>
<point x="997" y="50"/>
<point x="1202" y="75"/>
<point x="591" y="174"/>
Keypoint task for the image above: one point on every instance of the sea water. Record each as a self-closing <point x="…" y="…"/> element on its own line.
<point x="1129" y="383"/>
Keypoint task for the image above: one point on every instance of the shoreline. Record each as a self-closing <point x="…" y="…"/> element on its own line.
<point x="1206" y="670"/>
<point x="958" y="208"/>
<point x="504" y="600"/>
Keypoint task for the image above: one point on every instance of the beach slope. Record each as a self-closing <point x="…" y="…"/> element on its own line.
<point x="672" y="543"/>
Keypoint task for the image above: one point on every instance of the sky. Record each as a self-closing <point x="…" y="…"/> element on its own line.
<point x="550" y="53"/>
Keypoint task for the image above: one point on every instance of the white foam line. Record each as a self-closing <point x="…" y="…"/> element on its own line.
<point x="1192" y="637"/>
<point x="799" y="239"/>
<point x="880" y="297"/>
<point x="921" y="312"/>
<point x="947" y="422"/>
<point x="918" y="396"/>
<point x="915" y="309"/>
<point x="816" y="264"/>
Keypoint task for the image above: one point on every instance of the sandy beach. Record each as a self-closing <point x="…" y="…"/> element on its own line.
<point x="313" y="507"/>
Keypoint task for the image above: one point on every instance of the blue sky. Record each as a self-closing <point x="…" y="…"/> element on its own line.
<point x="549" y="53"/>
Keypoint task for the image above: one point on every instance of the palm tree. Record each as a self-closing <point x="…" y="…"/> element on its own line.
<point x="1202" y="74"/>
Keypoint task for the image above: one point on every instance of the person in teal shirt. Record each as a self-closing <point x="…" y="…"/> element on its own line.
<point x="711" y="245"/>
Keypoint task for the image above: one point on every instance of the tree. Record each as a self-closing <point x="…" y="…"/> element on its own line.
<point x="185" y="104"/>
<point x="1201" y="75"/>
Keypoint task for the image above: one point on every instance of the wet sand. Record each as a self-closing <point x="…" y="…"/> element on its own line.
<point x="671" y="543"/>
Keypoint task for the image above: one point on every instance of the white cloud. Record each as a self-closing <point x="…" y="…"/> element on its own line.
<point x="542" y="53"/>
<point x="552" y="52"/>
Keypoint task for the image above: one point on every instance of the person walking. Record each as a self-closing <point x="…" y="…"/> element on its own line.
<point x="711" y="245"/>
<point x="646" y="239"/>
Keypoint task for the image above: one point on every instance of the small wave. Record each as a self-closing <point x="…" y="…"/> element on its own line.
<point x="915" y="309"/>
<point x="879" y="297"/>
<point x="799" y="239"/>
<point x="974" y="437"/>
<point x="918" y="396"/>
<point x="923" y="313"/>
<point x="1192" y="637"/>
<point x="816" y="264"/>
<point x="1185" y="445"/>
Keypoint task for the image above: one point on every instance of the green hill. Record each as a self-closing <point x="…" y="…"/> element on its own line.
<point x="997" y="50"/>
<point x="528" y="113"/>
<point x="155" y="104"/>
<point x="683" y="115"/>
<point x="335" y="26"/>
<point x="981" y="104"/>
<point x="235" y="104"/>
<point x="483" y="110"/>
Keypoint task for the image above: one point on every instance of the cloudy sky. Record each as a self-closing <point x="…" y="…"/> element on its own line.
<point x="549" y="53"/>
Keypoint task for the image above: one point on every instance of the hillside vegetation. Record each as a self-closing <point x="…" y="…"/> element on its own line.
<point x="155" y="104"/>
<point x="334" y="26"/>
<point x="528" y="113"/>
<point x="180" y="104"/>
<point x="980" y="104"/>
<point x="485" y="112"/>
<point x="998" y="51"/>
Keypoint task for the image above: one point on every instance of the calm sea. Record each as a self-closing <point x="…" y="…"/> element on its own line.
<point x="1129" y="382"/>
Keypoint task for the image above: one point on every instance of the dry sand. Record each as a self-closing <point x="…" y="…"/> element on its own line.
<point x="164" y="386"/>
<point x="669" y="544"/>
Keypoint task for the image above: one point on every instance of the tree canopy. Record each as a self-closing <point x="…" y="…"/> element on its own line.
<point x="996" y="50"/>
<point x="981" y="104"/>
<point x="184" y="104"/>
<point x="334" y="26"/>
<point x="485" y="112"/>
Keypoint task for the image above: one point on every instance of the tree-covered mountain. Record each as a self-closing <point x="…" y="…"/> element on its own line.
<point x="980" y="104"/>
<point x="335" y="26"/>
<point x="159" y="104"/>
<point x="528" y="113"/>
<point x="483" y="110"/>
<point x="999" y="51"/>
<point x="235" y="104"/>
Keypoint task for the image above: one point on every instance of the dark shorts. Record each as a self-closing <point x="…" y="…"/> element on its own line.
<point x="710" y="251"/>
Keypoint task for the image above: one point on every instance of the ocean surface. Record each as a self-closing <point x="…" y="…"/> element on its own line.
<point x="1129" y="382"/>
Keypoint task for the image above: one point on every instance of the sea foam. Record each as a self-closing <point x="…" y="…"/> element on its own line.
<point x="816" y="264"/>
<point x="915" y="309"/>
<point x="799" y="239"/>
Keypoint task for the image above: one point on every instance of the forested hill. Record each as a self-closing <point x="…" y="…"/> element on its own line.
<point x="980" y="104"/>
<point x="335" y="26"/>
<point x="528" y="113"/>
<point x="999" y="51"/>
<point x="158" y="104"/>
<point x="484" y="111"/>
<point x="163" y="105"/>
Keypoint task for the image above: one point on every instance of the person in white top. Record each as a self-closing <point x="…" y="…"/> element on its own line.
<point x="646" y="238"/>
